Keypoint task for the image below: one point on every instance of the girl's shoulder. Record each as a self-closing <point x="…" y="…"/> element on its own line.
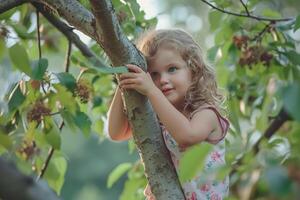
<point x="222" y="120"/>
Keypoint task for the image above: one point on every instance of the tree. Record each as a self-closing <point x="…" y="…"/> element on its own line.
<point x="256" y="61"/>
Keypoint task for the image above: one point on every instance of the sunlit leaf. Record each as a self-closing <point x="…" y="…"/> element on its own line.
<point x="117" y="173"/>
<point x="66" y="98"/>
<point x="271" y="13"/>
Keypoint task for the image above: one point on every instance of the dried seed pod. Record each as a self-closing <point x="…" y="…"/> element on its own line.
<point x="83" y="91"/>
<point x="266" y="58"/>
<point x="240" y="41"/>
<point x="37" y="112"/>
<point x="28" y="149"/>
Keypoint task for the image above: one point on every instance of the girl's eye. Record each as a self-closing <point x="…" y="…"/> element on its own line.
<point x="172" y="69"/>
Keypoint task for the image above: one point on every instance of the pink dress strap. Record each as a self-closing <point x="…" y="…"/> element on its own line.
<point x="224" y="123"/>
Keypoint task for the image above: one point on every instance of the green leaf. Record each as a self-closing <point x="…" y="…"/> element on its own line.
<point x="297" y="23"/>
<point x="291" y="99"/>
<point x="55" y="175"/>
<point x="16" y="98"/>
<point x="19" y="57"/>
<point x="117" y="173"/>
<point x="193" y="161"/>
<point x="68" y="119"/>
<point x="7" y="14"/>
<point x="5" y="141"/>
<point x="215" y="18"/>
<point x="22" y="31"/>
<point x="53" y="138"/>
<point x="212" y="53"/>
<point x="52" y="132"/>
<point x="133" y="189"/>
<point x="99" y="66"/>
<point x="67" y="80"/>
<point x="278" y="180"/>
<point x="39" y="68"/>
<point x="294" y="57"/>
<point x="83" y="122"/>
<point x="271" y="13"/>
<point x="97" y="101"/>
<point x="66" y="98"/>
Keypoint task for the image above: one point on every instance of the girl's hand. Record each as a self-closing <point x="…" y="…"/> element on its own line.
<point x="137" y="79"/>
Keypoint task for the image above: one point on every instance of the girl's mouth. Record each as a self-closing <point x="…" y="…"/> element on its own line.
<point x="166" y="91"/>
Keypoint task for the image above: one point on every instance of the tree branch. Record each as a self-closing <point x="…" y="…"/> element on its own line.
<point x="66" y="30"/>
<point x="274" y="126"/>
<point x="270" y="131"/>
<point x="111" y="37"/>
<point x="246" y="15"/>
<point x="6" y="5"/>
<point x="75" y="14"/>
<point x="15" y="186"/>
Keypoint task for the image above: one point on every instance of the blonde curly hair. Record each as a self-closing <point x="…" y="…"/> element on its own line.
<point x="203" y="89"/>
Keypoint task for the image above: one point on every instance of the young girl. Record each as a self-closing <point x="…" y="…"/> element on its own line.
<point x="183" y="92"/>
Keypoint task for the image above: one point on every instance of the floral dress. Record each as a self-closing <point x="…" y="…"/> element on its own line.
<point x="204" y="186"/>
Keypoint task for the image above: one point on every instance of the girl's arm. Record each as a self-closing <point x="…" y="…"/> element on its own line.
<point x="186" y="132"/>
<point x="118" y="126"/>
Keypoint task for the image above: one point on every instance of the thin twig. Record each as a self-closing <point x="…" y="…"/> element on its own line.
<point x="68" y="55"/>
<point x="50" y="154"/>
<point x="38" y="32"/>
<point x="265" y="29"/>
<point x="45" y="165"/>
<point x="247" y="16"/>
<point x="245" y="6"/>
<point x="55" y="113"/>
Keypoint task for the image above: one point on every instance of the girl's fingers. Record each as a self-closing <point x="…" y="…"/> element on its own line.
<point x="129" y="86"/>
<point x="127" y="81"/>
<point x="134" y="68"/>
<point x="127" y="75"/>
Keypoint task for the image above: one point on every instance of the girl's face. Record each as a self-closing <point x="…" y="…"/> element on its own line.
<point x="171" y="75"/>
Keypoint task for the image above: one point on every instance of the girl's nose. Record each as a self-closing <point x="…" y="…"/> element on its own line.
<point x="164" y="79"/>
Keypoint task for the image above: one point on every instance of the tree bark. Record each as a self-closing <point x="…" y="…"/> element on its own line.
<point x="9" y="4"/>
<point x="102" y="25"/>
